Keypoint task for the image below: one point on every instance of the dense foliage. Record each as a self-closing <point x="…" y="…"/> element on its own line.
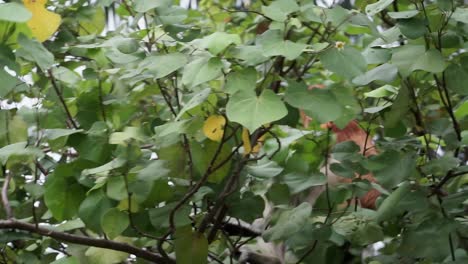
<point x="154" y="129"/>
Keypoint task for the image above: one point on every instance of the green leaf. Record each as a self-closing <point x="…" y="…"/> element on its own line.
<point x="250" y="55"/>
<point x="143" y="6"/>
<point x="93" y="208"/>
<point x="278" y="194"/>
<point x="175" y="157"/>
<point x="337" y="16"/>
<point x="34" y="51"/>
<point x="107" y="256"/>
<point x="202" y="156"/>
<point x="172" y="128"/>
<point x="345" y="150"/>
<point x="129" y="133"/>
<point x="128" y="46"/>
<point x="319" y="104"/>
<point x="375" y="8"/>
<point x="10" y="84"/>
<point x="19" y="150"/>
<point x="194" y="101"/>
<point x="440" y="167"/>
<point x="264" y="169"/>
<point x="456" y="78"/>
<point x="91" y="20"/>
<point x="190" y="247"/>
<point x="114" y="222"/>
<point x="279" y="10"/>
<point x="272" y="44"/>
<point x="299" y="181"/>
<point x="418" y="240"/>
<point x="66" y="75"/>
<point x="171" y="14"/>
<point x="376" y="55"/>
<point x="243" y="80"/>
<point x="7" y="57"/>
<point x="461" y="110"/>
<point x="14" y="12"/>
<point x="348" y="62"/>
<point x="345" y="97"/>
<point x="387" y="37"/>
<point x="159" y="217"/>
<point x="67" y="260"/>
<point x="218" y="41"/>
<point x="289" y="223"/>
<point x="409" y="58"/>
<point x="399" y="108"/>
<point x="160" y="66"/>
<point x="35" y="190"/>
<point x="412" y="28"/>
<point x="460" y="15"/>
<point x="10" y="33"/>
<point x="392" y="167"/>
<point x="16" y="129"/>
<point x="63" y="196"/>
<point x="105" y="168"/>
<point x="386" y="90"/>
<point x="70" y="225"/>
<point x="389" y="206"/>
<point x="341" y="169"/>
<point x="154" y="171"/>
<point x="385" y="73"/>
<point x="403" y="14"/>
<point x="237" y="203"/>
<point x="252" y="112"/>
<point x="201" y="70"/>
<point x="115" y="188"/>
<point x="60" y="132"/>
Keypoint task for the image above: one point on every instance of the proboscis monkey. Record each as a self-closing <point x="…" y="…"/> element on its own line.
<point x="264" y="252"/>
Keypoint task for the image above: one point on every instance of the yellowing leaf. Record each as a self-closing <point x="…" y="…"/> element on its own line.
<point x="248" y="146"/>
<point x="246" y="139"/>
<point x="259" y="144"/>
<point x="43" y="22"/>
<point x="214" y="127"/>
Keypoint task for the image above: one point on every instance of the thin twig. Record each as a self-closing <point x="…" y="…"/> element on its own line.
<point x="62" y="101"/>
<point x="308" y="252"/>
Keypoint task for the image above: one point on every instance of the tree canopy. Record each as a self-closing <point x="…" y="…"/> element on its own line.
<point x="154" y="133"/>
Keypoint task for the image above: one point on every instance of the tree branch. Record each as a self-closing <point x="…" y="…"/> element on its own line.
<point x="88" y="241"/>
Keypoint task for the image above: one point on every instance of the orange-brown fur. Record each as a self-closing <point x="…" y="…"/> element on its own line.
<point x="275" y="253"/>
<point x="353" y="132"/>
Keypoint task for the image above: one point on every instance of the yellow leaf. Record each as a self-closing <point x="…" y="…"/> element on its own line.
<point x="43" y="22"/>
<point x="259" y="144"/>
<point x="214" y="127"/>
<point x="246" y="140"/>
<point x="248" y="145"/>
